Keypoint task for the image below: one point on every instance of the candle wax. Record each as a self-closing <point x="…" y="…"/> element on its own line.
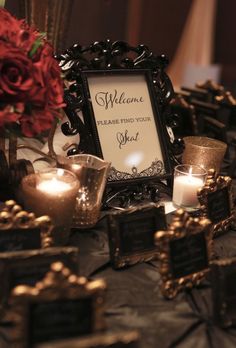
<point x="185" y="190"/>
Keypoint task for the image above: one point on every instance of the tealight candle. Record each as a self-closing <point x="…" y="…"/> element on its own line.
<point x="52" y="193"/>
<point x="187" y="180"/>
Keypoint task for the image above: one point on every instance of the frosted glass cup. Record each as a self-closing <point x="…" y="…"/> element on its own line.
<point x="52" y="192"/>
<point x="205" y="152"/>
<point x="187" y="180"/>
<point x="92" y="173"/>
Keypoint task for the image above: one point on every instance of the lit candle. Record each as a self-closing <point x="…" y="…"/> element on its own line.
<point x="52" y="193"/>
<point x="53" y="186"/>
<point x="186" y="185"/>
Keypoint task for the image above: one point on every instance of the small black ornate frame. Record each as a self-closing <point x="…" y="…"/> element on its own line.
<point x="147" y="219"/>
<point x="59" y="284"/>
<point x="217" y="189"/>
<point x="184" y="231"/>
<point x="14" y="218"/>
<point x="107" y="57"/>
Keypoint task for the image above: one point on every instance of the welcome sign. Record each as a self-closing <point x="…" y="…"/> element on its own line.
<point x="127" y="123"/>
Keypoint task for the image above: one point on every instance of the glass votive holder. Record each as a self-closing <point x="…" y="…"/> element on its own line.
<point x="52" y="192"/>
<point x="205" y="152"/>
<point x="187" y="180"/>
<point x="91" y="172"/>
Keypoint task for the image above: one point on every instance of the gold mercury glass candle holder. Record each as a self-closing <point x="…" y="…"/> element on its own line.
<point x="203" y="151"/>
<point x="52" y="192"/>
<point x="92" y="173"/>
<point x="187" y="180"/>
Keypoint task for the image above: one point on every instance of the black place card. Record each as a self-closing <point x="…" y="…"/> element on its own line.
<point x="29" y="267"/>
<point x="60" y="319"/>
<point x="20" y="239"/>
<point x="61" y="306"/>
<point x="188" y="254"/>
<point x="131" y="234"/>
<point x="218" y="205"/>
<point x="216" y="200"/>
<point x="223" y="281"/>
<point x="186" y="250"/>
<point x="118" y="339"/>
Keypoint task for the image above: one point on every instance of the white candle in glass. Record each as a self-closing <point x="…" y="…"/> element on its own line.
<point x="53" y="186"/>
<point x="185" y="188"/>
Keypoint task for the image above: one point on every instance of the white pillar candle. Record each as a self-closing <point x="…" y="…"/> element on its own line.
<point x="185" y="190"/>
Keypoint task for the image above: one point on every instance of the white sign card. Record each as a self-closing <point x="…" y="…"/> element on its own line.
<point x="125" y="122"/>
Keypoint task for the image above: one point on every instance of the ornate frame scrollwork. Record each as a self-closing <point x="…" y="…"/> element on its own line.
<point x="58" y="284"/>
<point x="183" y="227"/>
<point x="106" y="57"/>
<point x="12" y="216"/>
<point x="213" y="185"/>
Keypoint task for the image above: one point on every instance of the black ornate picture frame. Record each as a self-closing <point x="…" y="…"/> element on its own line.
<point x="185" y="251"/>
<point x="106" y="59"/>
<point x="131" y="234"/>
<point x="216" y="199"/>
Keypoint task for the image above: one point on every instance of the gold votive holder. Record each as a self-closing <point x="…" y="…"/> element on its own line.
<point x="203" y="151"/>
<point x="187" y="180"/>
<point x="92" y="173"/>
<point x="52" y="192"/>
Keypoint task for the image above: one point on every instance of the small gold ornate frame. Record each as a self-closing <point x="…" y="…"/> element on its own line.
<point x="30" y="266"/>
<point x="216" y="199"/>
<point x="131" y="234"/>
<point x="63" y="300"/>
<point x="20" y="230"/>
<point x="223" y="279"/>
<point x="185" y="251"/>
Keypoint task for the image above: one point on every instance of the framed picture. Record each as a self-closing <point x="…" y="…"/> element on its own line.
<point x="117" y="96"/>
<point x="131" y="234"/>
<point x="223" y="281"/>
<point x="186" y="251"/>
<point x="62" y="305"/>
<point x="21" y="230"/>
<point x="30" y="266"/>
<point x="124" y="117"/>
<point x="216" y="199"/>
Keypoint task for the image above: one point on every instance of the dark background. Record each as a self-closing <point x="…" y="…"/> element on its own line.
<point x="156" y="23"/>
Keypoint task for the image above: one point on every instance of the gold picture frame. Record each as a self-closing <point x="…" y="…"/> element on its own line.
<point x="62" y="305"/>
<point x="185" y="251"/>
<point x="21" y="230"/>
<point x="216" y="200"/>
<point x="131" y="234"/>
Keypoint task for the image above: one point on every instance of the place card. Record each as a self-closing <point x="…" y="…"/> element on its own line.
<point x="20" y="230"/>
<point x="29" y="267"/>
<point x="62" y="305"/>
<point x="216" y="199"/>
<point x="131" y="234"/>
<point x="223" y="281"/>
<point x="185" y="250"/>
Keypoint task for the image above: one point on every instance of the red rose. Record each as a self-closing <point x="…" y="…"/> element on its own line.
<point x="15" y="74"/>
<point x="37" y="122"/>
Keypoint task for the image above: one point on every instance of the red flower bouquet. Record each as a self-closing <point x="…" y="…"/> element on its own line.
<point x="31" y="90"/>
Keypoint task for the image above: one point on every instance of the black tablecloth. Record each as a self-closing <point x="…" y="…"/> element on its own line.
<point x="134" y="301"/>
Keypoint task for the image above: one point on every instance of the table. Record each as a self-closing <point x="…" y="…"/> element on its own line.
<point x="134" y="300"/>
